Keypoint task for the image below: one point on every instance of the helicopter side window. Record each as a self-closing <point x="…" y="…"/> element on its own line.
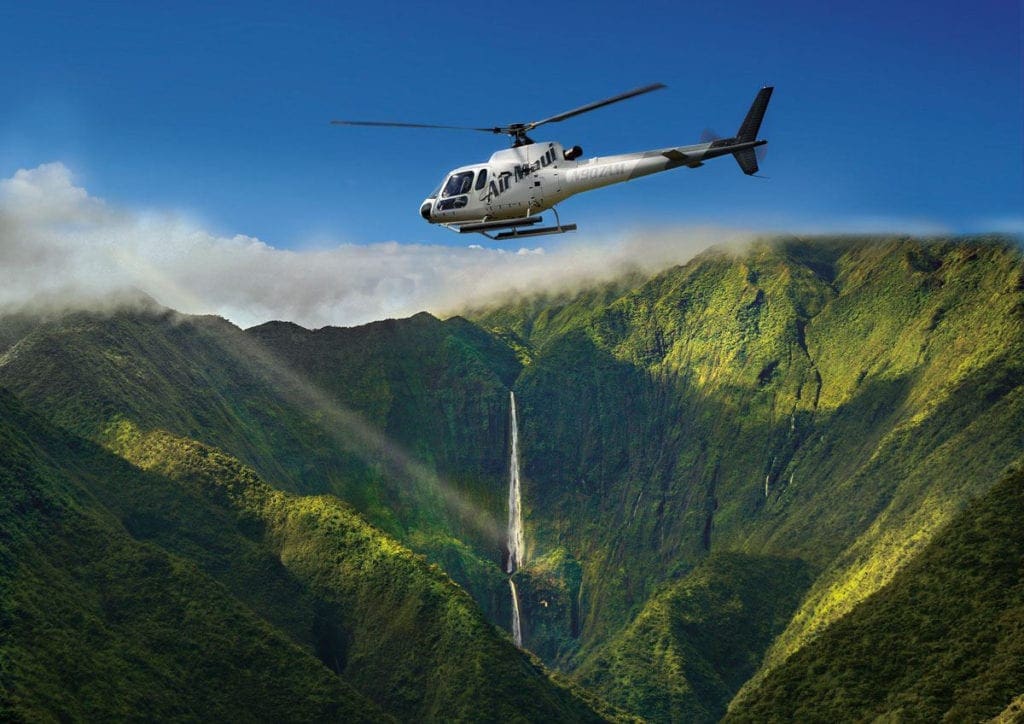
<point x="458" y="183"/>
<point x="481" y="180"/>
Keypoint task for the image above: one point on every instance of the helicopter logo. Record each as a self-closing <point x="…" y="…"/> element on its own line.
<point x="508" y="194"/>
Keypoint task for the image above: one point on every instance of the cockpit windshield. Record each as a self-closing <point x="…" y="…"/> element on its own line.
<point x="458" y="183"/>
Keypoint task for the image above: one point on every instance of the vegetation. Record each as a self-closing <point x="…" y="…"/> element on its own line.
<point x="695" y="643"/>
<point x="375" y="415"/>
<point x="832" y="401"/>
<point x="836" y="402"/>
<point x="99" y="625"/>
<point x="943" y="641"/>
<point x="821" y="407"/>
<point x="194" y="590"/>
<point x="407" y="636"/>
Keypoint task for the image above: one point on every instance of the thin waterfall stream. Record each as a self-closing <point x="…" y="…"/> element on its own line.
<point x="515" y="502"/>
<point x="516" y="544"/>
<point x="517" y="627"/>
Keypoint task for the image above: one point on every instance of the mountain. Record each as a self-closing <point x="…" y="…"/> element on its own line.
<point x="695" y="643"/>
<point x="721" y="463"/>
<point x="944" y="640"/>
<point x="436" y="391"/>
<point x="382" y="426"/>
<point x="834" y="402"/>
<point x="100" y="624"/>
<point x="170" y="581"/>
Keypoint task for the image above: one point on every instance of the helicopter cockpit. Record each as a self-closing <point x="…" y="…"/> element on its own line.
<point x="458" y="183"/>
<point x="454" y="191"/>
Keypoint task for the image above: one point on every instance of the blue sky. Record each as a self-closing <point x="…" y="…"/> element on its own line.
<point x="898" y="115"/>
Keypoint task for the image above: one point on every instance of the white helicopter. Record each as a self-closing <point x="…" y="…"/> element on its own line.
<point x="512" y="189"/>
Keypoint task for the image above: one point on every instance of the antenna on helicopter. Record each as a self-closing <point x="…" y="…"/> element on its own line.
<point x="517" y="131"/>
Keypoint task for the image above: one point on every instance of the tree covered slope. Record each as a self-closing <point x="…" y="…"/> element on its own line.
<point x="832" y="401"/>
<point x="406" y="420"/>
<point x="694" y="644"/>
<point x="721" y="463"/>
<point x="944" y="640"/>
<point x="193" y="589"/>
<point x="98" y="624"/>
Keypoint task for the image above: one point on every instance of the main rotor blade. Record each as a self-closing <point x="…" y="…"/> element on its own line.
<point x="413" y="125"/>
<point x="708" y="135"/>
<point x="599" y="104"/>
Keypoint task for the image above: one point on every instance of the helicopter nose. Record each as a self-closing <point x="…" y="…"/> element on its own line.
<point x="425" y="209"/>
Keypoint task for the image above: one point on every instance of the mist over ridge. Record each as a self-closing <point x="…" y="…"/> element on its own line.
<point x="60" y="247"/>
<point x="63" y="248"/>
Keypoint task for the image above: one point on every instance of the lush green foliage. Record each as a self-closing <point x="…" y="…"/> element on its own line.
<point x="527" y="323"/>
<point x="435" y="393"/>
<point x="97" y="625"/>
<point x="718" y="348"/>
<point x="408" y="637"/>
<point x="943" y="641"/>
<point x="160" y="632"/>
<point x="694" y="644"/>
<point x="836" y="402"/>
<point x="379" y="415"/>
<point x="831" y="404"/>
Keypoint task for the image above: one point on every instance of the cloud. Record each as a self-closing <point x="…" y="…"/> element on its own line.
<point x="59" y="242"/>
<point x="46" y="194"/>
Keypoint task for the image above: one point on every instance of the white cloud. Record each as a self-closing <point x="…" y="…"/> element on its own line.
<point x="58" y="241"/>
<point x="46" y="194"/>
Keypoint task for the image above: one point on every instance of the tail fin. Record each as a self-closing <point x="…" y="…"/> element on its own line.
<point x="747" y="158"/>
<point x="752" y="123"/>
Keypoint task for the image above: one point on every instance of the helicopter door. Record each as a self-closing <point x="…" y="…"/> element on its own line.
<point x="544" y="180"/>
<point x="536" y="188"/>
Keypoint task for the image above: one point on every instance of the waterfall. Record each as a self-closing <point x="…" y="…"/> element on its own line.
<point x="517" y="628"/>
<point x="516" y="546"/>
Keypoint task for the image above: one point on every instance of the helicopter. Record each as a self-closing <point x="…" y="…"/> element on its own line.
<point x="505" y="197"/>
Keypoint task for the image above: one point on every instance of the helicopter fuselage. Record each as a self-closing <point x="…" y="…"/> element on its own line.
<point x="529" y="179"/>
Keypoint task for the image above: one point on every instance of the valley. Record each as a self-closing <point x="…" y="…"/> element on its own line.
<point x="722" y="490"/>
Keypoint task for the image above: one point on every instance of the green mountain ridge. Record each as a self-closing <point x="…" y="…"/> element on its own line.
<point x="218" y="576"/>
<point x="721" y="461"/>
<point x="97" y="624"/>
<point x="406" y="635"/>
<point x="694" y="644"/>
<point x="945" y="637"/>
<point x="730" y="404"/>
<point x="204" y="379"/>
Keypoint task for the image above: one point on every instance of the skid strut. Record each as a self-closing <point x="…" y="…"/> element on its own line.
<point x="521" y="227"/>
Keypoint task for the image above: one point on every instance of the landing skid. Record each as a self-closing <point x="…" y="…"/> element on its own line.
<point x="516" y="227"/>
